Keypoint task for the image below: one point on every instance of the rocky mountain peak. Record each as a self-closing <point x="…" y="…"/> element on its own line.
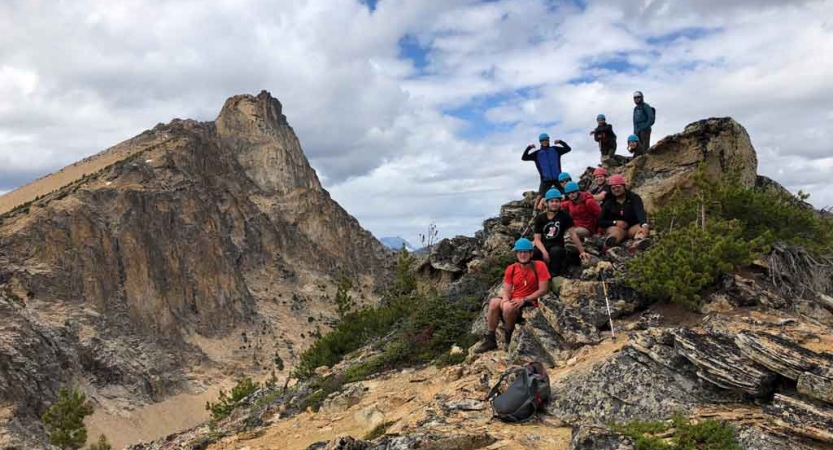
<point x="262" y="113"/>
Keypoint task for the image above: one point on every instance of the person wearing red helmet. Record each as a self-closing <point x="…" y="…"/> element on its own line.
<point x="623" y="216"/>
<point x="600" y="189"/>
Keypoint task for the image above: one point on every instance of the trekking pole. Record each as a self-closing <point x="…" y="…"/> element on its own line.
<point x="529" y="225"/>
<point x="607" y="302"/>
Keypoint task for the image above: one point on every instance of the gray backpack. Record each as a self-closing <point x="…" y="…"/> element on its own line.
<point x="524" y="397"/>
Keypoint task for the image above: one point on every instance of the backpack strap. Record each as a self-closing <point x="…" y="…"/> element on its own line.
<point x="496" y="388"/>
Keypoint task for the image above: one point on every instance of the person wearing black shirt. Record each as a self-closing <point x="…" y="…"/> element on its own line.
<point x="550" y="229"/>
<point x="623" y="215"/>
<point x="604" y="135"/>
<point x="600" y="189"/>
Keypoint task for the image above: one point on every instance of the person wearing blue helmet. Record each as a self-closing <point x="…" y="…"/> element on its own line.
<point x="550" y="228"/>
<point x="633" y="145"/>
<point x="604" y="135"/>
<point x="563" y="179"/>
<point x="548" y="162"/>
<point x="524" y="282"/>
<point x="644" y="116"/>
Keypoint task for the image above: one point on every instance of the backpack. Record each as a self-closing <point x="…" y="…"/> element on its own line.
<point x="524" y="397"/>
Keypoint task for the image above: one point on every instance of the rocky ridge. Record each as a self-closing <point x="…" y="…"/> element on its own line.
<point x="758" y="357"/>
<point x="193" y="251"/>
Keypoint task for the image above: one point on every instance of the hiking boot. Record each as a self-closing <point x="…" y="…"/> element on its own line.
<point x="593" y="242"/>
<point x="610" y="241"/>
<point x="641" y="244"/>
<point x="488" y="344"/>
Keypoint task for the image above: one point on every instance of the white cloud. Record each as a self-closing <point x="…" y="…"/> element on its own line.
<point x="77" y="77"/>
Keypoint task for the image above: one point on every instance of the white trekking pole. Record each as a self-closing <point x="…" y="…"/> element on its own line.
<point x="607" y="302"/>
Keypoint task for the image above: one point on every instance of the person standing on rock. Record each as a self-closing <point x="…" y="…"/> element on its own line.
<point x="600" y="189"/>
<point x="524" y="282"/>
<point x="548" y="162"/>
<point x="643" y="120"/>
<point x="550" y="229"/>
<point x="604" y="135"/>
<point x="623" y="216"/>
<point x="582" y="208"/>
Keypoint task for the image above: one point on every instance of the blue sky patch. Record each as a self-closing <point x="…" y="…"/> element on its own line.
<point x="371" y="4"/>
<point x="410" y="48"/>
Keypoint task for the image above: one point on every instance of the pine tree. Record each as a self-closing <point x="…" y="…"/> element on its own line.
<point x="65" y="419"/>
<point x="344" y="301"/>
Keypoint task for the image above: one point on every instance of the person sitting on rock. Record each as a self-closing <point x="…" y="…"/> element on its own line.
<point x="524" y="282"/>
<point x="583" y="209"/>
<point x="604" y="135"/>
<point x="548" y="162"/>
<point x="623" y="216"/>
<point x="643" y="120"/>
<point x="600" y="189"/>
<point x="633" y="145"/>
<point x="550" y="228"/>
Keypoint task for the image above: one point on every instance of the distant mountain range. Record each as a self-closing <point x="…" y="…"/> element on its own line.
<point x="395" y="243"/>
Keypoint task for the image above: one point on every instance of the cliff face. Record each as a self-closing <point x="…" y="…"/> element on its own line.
<point x="191" y="230"/>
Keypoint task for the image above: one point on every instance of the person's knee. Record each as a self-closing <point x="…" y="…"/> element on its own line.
<point x="494" y="305"/>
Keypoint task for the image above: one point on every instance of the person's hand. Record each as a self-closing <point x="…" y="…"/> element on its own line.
<point x="644" y="233"/>
<point x="559" y="141"/>
<point x="621" y="224"/>
<point x="584" y="256"/>
<point x="592" y="132"/>
<point x="530" y="147"/>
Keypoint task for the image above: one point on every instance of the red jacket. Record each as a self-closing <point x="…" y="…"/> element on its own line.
<point x="586" y="213"/>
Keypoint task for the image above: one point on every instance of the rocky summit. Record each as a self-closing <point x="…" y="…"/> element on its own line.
<point x="151" y="273"/>
<point x="758" y="355"/>
<point x="166" y="264"/>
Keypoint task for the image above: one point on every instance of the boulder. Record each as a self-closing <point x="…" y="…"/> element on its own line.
<point x="815" y="386"/>
<point x="720" y="362"/>
<point x="802" y="417"/>
<point x="637" y="383"/>
<point x="720" y="145"/>
<point x="599" y="438"/>
<point x="453" y="255"/>
<point x="783" y="356"/>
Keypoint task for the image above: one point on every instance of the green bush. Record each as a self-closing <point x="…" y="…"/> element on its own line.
<point x="767" y="214"/>
<point x="64" y="420"/>
<point x="344" y="301"/>
<point x="706" y="435"/>
<point x="688" y="260"/>
<point x="228" y="401"/>
<point x="740" y="225"/>
<point x="405" y="282"/>
<point x="378" y="431"/>
<point x="102" y="444"/>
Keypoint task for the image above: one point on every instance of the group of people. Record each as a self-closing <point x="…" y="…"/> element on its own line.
<point x="572" y="223"/>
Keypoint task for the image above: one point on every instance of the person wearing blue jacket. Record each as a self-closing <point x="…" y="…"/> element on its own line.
<point x="548" y="162"/>
<point x="643" y="120"/>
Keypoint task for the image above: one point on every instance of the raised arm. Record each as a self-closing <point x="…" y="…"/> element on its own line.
<point x="527" y="156"/>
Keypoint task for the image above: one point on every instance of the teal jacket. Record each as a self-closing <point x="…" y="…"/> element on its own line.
<point x="643" y="117"/>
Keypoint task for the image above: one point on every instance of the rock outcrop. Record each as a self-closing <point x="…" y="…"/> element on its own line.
<point x="720" y="145"/>
<point x="195" y="231"/>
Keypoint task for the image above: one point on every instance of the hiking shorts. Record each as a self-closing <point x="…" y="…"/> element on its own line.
<point x="546" y="185"/>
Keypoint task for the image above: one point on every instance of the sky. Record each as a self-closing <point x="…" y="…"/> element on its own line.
<point x="415" y="112"/>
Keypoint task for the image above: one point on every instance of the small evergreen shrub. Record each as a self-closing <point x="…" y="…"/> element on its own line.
<point x="64" y="420"/>
<point x="228" y="401"/>
<point x="344" y="301"/>
<point x="378" y="431"/>
<point x="102" y="444"/>
<point x="688" y="260"/>
<point x="707" y="435"/>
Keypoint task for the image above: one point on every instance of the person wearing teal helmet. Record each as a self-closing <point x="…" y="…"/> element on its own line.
<point x="583" y="208"/>
<point x="563" y="179"/>
<point x="604" y="135"/>
<point x="550" y="229"/>
<point x="547" y="162"/>
<point x="524" y="282"/>
<point x="633" y="145"/>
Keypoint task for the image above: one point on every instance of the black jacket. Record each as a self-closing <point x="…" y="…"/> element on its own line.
<point x="632" y="211"/>
<point x="604" y="135"/>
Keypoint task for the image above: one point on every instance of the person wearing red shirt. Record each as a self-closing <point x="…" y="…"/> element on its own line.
<point x="524" y="282"/>
<point x="583" y="208"/>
